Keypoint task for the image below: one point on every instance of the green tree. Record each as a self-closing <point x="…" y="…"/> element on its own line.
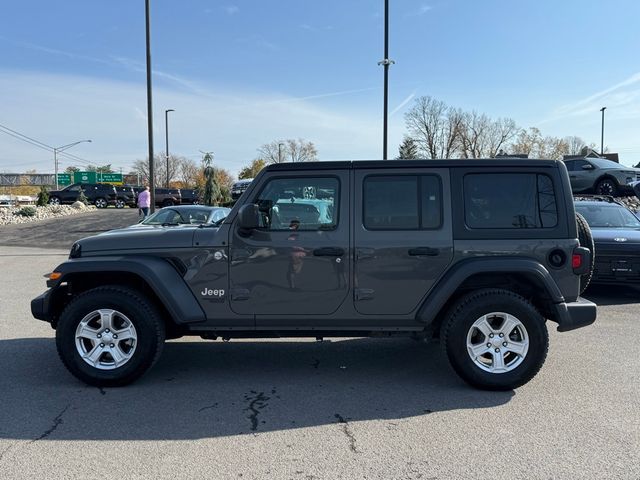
<point x="252" y="170"/>
<point x="408" y="149"/>
<point x="211" y="190"/>
<point x="43" y="196"/>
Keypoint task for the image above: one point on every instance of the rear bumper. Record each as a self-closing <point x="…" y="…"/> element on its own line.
<point x="576" y="314"/>
<point x="40" y="307"/>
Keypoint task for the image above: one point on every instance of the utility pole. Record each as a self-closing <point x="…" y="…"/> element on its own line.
<point x="152" y="183"/>
<point x="280" y="152"/>
<point x="166" y="131"/>
<point x="56" y="150"/>
<point x="385" y="62"/>
<point x="602" y="134"/>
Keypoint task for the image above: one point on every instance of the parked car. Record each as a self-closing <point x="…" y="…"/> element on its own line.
<point x="185" y="215"/>
<point x="476" y="253"/>
<point x="126" y="196"/>
<point x="166" y="197"/>
<point x="601" y="176"/>
<point x="100" y="194"/>
<point x="190" y="196"/>
<point x="616" y="233"/>
<point x="239" y="187"/>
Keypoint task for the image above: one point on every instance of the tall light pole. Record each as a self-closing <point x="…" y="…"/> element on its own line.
<point x="385" y="62"/>
<point x="280" y="152"/>
<point x="57" y="150"/>
<point x="152" y="182"/>
<point x="602" y="134"/>
<point x="166" y="131"/>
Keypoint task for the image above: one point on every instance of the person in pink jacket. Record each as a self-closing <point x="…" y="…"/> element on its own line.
<point x="144" y="201"/>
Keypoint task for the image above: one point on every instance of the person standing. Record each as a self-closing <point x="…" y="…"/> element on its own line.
<point x="144" y="201"/>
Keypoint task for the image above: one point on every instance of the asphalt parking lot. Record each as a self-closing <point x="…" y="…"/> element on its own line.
<point x="61" y="232"/>
<point x="299" y="409"/>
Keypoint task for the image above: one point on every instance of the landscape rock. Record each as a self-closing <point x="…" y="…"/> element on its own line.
<point x="9" y="215"/>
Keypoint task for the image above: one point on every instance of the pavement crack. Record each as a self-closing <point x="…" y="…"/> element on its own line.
<point x="5" y="451"/>
<point x="348" y="433"/>
<point x="256" y="403"/>
<point x="208" y="407"/>
<point x="56" y="423"/>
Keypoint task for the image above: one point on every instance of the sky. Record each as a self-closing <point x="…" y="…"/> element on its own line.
<point x="241" y="73"/>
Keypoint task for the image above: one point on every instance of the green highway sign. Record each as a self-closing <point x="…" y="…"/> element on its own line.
<point x="84" y="177"/>
<point x="64" y="179"/>
<point x="112" y="178"/>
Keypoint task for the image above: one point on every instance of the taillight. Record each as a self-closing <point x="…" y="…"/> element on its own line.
<point x="576" y="260"/>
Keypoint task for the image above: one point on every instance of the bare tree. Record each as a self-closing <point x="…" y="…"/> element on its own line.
<point x="574" y="145"/>
<point x="532" y="143"/>
<point x="482" y="137"/>
<point x="188" y="173"/>
<point x="290" y="150"/>
<point x="434" y="126"/>
<point x="141" y="168"/>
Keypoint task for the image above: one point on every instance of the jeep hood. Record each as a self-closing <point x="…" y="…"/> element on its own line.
<point x="609" y="235"/>
<point x="140" y="238"/>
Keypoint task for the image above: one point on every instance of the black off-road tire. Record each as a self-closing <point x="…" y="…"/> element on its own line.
<point x="585" y="238"/>
<point x="470" y="308"/>
<point x="149" y="327"/>
<point x="607" y="186"/>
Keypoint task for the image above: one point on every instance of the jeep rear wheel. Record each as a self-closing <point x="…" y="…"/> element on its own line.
<point x="495" y="339"/>
<point x="109" y="336"/>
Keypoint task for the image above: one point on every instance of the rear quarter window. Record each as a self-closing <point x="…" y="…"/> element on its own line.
<point x="509" y="201"/>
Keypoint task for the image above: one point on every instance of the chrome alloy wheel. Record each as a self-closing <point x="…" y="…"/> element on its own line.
<point x="497" y="342"/>
<point x="106" y="339"/>
<point x="101" y="203"/>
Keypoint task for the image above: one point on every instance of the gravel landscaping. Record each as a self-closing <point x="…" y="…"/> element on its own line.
<point x="31" y="213"/>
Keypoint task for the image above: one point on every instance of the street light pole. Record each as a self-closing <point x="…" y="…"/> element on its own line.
<point x="150" y="109"/>
<point x="602" y="134"/>
<point x="166" y="131"/>
<point x="56" y="150"/>
<point x="280" y="152"/>
<point x="385" y="62"/>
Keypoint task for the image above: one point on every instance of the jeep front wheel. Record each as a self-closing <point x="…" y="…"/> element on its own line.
<point x="495" y="339"/>
<point x="109" y="336"/>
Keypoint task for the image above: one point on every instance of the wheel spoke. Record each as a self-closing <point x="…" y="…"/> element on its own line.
<point x="85" y="331"/>
<point x="519" y="348"/>
<point x="510" y="322"/>
<point x="94" y="355"/>
<point x="106" y="319"/>
<point x="478" y="350"/>
<point x="484" y="326"/>
<point x="498" y="361"/>
<point x="126" y="333"/>
<point x="119" y="357"/>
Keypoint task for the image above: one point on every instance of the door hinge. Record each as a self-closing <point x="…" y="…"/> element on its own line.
<point x="363" y="294"/>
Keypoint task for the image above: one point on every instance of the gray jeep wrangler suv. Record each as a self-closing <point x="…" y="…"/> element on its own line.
<point x="475" y="253"/>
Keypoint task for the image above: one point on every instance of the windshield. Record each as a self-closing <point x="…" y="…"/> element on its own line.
<point x="174" y="216"/>
<point x="602" y="163"/>
<point x="608" y="216"/>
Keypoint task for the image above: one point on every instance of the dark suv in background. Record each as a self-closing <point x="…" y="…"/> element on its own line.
<point x="126" y="197"/>
<point x="167" y="197"/>
<point x="100" y="194"/>
<point x="189" y="196"/>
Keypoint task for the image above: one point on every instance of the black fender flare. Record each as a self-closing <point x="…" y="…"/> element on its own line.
<point x="159" y="274"/>
<point x="451" y="281"/>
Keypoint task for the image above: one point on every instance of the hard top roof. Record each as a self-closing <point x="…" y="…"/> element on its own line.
<point x="368" y="164"/>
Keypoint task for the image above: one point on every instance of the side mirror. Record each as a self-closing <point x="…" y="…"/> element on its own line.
<point x="588" y="166"/>
<point x="249" y="217"/>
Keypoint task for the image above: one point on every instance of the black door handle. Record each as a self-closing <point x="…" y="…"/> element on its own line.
<point x="328" y="252"/>
<point x="426" y="251"/>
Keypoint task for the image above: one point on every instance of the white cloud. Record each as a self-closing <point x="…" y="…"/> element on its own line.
<point x="231" y="9"/>
<point x="59" y="109"/>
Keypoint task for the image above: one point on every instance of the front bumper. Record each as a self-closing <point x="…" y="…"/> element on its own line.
<point x="40" y="307"/>
<point x="576" y="314"/>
